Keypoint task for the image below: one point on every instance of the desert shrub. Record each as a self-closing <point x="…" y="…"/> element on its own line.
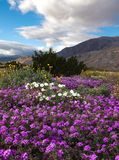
<point x="57" y="65"/>
<point x="73" y="67"/>
<point x="104" y="90"/>
<point x="13" y="65"/>
<point x="17" y="77"/>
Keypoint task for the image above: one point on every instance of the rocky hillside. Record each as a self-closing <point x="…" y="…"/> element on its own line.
<point x="99" y="53"/>
<point x="25" y="60"/>
<point x="106" y="59"/>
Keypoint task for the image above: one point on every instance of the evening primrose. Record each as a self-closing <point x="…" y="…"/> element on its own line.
<point x="36" y="85"/>
<point x="42" y="89"/>
<point x="41" y="85"/>
<point x="65" y="94"/>
<point x="45" y="84"/>
<point x="53" y="96"/>
<point x="61" y="85"/>
<point x="59" y="94"/>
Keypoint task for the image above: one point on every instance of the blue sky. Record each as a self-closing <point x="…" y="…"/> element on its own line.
<point x="108" y="31"/>
<point x="58" y="24"/>
<point x="10" y="19"/>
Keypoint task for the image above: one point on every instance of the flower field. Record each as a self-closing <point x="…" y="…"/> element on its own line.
<point x="73" y="118"/>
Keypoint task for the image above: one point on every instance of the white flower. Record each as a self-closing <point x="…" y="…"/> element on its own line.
<point x="44" y="96"/>
<point x="71" y="91"/>
<point x="45" y="84"/>
<point x="61" y="85"/>
<point x="40" y="99"/>
<point x="36" y="85"/>
<point x="41" y="85"/>
<point x="78" y="95"/>
<point x="27" y="85"/>
<point x="51" y="84"/>
<point x="53" y="96"/>
<point x="65" y="94"/>
<point x="47" y="98"/>
<point x="74" y="94"/>
<point x="59" y="94"/>
<point x="39" y="94"/>
<point x="33" y="83"/>
<point x="51" y="87"/>
<point x="31" y="87"/>
<point x="42" y="89"/>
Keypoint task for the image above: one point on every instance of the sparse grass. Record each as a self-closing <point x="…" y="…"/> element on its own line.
<point x="2" y="72"/>
<point x="106" y="75"/>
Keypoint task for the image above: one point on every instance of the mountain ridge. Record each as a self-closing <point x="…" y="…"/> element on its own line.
<point x="100" y="53"/>
<point x="90" y="45"/>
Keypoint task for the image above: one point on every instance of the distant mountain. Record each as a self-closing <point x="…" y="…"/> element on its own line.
<point x="98" y="53"/>
<point x="4" y="58"/>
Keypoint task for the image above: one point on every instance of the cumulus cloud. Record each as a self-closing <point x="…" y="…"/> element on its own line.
<point x="9" y="48"/>
<point x="67" y="22"/>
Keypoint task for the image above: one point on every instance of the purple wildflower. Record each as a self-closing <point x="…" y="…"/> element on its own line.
<point x="50" y="147"/>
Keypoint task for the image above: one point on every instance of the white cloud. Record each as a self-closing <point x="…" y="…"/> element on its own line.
<point x="67" y="22"/>
<point x="9" y="48"/>
<point x="10" y="52"/>
<point x="12" y="3"/>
